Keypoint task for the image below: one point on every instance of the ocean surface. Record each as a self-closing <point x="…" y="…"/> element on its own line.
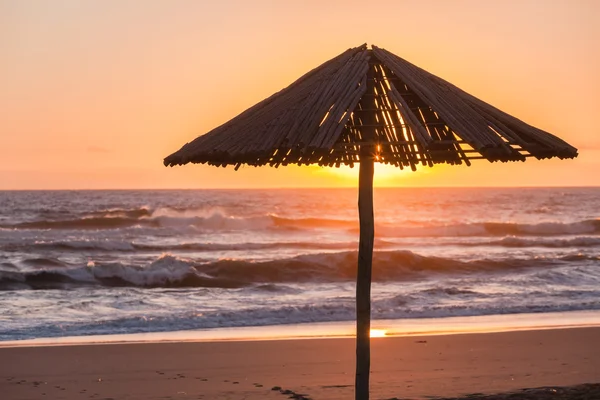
<point x="116" y="262"/>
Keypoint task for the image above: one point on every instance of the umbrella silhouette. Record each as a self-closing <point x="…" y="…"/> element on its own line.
<point x="366" y="106"/>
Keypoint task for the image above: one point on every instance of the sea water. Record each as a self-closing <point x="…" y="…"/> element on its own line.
<point x="76" y="263"/>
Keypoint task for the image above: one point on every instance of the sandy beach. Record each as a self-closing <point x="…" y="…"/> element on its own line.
<point x="307" y="200"/>
<point x="402" y="367"/>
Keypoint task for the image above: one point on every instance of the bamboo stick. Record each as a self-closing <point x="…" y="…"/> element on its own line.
<point x="365" y="260"/>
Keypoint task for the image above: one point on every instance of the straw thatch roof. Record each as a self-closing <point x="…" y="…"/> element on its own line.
<point x="370" y="97"/>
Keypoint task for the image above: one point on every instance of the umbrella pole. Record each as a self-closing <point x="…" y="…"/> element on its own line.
<point x="363" y="278"/>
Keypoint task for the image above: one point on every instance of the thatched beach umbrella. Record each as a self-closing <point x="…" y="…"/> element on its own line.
<point x="366" y="106"/>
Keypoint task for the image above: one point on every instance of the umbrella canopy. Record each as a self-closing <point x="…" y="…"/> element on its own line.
<point x="366" y="106"/>
<point x="370" y="97"/>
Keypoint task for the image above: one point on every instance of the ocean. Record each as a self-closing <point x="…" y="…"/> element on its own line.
<point x="78" y="263"/>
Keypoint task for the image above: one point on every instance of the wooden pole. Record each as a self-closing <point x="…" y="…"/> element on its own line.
<point x="363" y="278"/>
<point x="365" y="249"/>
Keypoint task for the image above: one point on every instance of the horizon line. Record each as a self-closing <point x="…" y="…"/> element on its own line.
<point x="302" y="188"/>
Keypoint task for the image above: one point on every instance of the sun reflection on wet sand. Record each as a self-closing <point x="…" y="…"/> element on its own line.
<point x="378" y="333"/>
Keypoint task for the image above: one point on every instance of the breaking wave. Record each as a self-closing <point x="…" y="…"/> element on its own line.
<point x="124" y="246"/>
<point x="127" y="246"/>
<point x="164" y="218"/>
<point x="42" y="262"/>
<point x="518" y="242"/>
<point x="172" y="272"/>
<point x="214" y="219"/>
<point x="585" y="227"/>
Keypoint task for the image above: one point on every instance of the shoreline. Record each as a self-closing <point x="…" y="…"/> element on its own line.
<point x="321" y="369"/>
<point x="339" y="330"/>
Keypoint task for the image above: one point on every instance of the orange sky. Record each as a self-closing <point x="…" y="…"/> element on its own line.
<point x="93" y="94"/>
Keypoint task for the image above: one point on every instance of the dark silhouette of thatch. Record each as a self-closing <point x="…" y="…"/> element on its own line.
<point x="417" y="118"/>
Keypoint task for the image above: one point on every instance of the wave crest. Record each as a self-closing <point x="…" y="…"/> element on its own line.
<point x="169" y="271"/>
<point x="216" y="219"/>
<point x="585" y="227"/>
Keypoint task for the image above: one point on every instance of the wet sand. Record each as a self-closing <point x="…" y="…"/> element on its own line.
<point x="402" y="367"/>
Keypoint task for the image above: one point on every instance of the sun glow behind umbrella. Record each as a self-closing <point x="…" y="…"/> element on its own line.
<point x="384" y="174"/>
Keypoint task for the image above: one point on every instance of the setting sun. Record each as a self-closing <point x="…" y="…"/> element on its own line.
<point x="384" y="175"/>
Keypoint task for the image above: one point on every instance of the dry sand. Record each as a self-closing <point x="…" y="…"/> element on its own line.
<point x="402" y="367"/>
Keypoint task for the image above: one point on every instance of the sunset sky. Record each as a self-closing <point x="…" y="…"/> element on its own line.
<point x="94" y="94"/>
